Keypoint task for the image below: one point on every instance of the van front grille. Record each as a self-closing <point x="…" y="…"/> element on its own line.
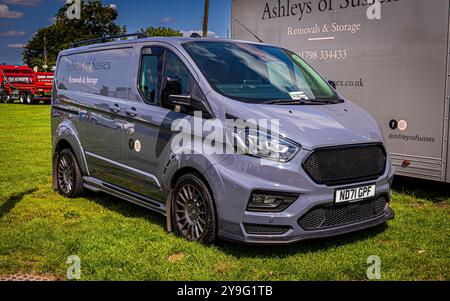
<point x="324" y="217"/>
<point x="346" y="164"/>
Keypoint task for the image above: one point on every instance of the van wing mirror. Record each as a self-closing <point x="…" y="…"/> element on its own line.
<point x="172" y="97"/>
<point x="171" y="93"/>
<point x="332" y="83"/>
<point x="188" y="102"/>
<point x="172" y="86"/>
<point x="180" y="100"/>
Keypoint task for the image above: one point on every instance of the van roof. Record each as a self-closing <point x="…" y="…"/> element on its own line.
<point x="175" y="41"/>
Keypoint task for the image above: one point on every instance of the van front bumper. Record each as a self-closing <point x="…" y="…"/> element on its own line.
<point x="295" y="235"/>
<point x="234" y="180"/>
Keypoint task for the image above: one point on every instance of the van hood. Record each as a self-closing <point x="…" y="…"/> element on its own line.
<point x="315" y="126"/>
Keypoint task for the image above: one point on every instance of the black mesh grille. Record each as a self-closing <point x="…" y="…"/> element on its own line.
<point x="333" y="216"/>
<point x="346" y="164"/>
<point x="264" y="229"/>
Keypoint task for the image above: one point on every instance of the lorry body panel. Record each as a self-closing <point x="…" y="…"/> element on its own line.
<point x="396" y="67"/>
<point x="16" y="80"/>
<point x="43" y="83"/>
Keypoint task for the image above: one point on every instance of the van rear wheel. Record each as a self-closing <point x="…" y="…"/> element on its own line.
<point x="193" y="212"/>
<point x="69" y="178"/>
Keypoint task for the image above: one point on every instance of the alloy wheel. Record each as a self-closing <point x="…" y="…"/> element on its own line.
<point x="66" y="176"/>
<point x="190" y="212"/>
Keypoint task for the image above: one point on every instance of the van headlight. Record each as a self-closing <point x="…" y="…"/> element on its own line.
<point x="263" y="144"/>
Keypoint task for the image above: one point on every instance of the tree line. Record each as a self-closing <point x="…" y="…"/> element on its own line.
<point x="97" y="20"/>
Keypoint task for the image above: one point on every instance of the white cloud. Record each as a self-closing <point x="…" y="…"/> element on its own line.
<point x="22" y="2"/>
<point x="167" y="20"/>
<point x="12" y="33"/>
<point x="187" y="33"/>
<point x="113" y="6"/>
<point x="8" y="14"/>
<point x="16" y="46"/>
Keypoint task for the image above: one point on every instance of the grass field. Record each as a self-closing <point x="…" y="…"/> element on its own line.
<point x="119" y="241"/>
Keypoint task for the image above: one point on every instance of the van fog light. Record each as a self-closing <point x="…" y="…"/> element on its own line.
<point x="270" y="202"/>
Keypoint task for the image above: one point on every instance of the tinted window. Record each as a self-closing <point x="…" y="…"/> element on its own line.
<point x="150" y="74"/>
<point x="104" y="73"/>
<point x="257" y="73"/>
<point x="157" y="64"/>
<point x="176" y="68"/>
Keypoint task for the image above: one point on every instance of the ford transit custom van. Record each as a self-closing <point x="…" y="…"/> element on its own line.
<point x="229" y="139"/>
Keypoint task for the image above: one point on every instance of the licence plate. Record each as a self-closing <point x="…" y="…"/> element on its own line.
<point x="354" y="194"/>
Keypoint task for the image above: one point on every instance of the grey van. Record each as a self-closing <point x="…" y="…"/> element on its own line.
<point x="115" y="106"/>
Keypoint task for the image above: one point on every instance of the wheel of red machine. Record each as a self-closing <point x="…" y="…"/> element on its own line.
<point x="30" y="100"/>
<point x="8" y="98"/>
<point x="23" y="98"/>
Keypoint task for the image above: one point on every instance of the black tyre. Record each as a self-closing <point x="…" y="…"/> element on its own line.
<point x="23" y="98"/>
<point x="193" y="212"/>
<point x="29" y="99"/>
<point x="68" y="175"/>
<point x="8" y="99"/>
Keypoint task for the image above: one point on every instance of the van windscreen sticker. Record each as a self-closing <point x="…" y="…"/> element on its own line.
<point x="298" y="95"/>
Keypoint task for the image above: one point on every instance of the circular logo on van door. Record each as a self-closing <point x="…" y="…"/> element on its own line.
<point x="393" y="124"/>
<point x="402" y="125"/>
<point x="137" y="146"/>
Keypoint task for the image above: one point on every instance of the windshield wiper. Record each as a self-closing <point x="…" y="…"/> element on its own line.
<point x="299" y="102"/>
<point x="283" y="101"/>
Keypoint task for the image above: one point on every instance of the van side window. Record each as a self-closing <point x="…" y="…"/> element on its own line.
<point x="176" y="68"/>
<point x="150" y="74"/>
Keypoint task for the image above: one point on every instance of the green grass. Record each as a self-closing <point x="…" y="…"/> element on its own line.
<point x="119" y="241"/>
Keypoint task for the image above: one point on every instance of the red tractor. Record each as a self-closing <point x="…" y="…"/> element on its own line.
<point x="21" y="83"/>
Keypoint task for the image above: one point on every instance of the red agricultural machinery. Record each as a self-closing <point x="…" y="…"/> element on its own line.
<point x="43" y="84"/>
<point x="21" y="83"/>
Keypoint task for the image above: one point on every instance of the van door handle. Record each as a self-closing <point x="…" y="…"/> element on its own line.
<point x="132" y="112"/>
<point x="114" y="108"/>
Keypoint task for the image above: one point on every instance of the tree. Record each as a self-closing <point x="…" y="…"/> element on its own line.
<point x="96" y="21"/>
<point x="161" y="32"/>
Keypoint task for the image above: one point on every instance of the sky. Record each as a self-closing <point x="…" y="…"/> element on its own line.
<point x="20" y="19"/>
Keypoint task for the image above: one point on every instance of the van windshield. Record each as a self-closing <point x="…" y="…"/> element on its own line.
<point x="258" y="73"/>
